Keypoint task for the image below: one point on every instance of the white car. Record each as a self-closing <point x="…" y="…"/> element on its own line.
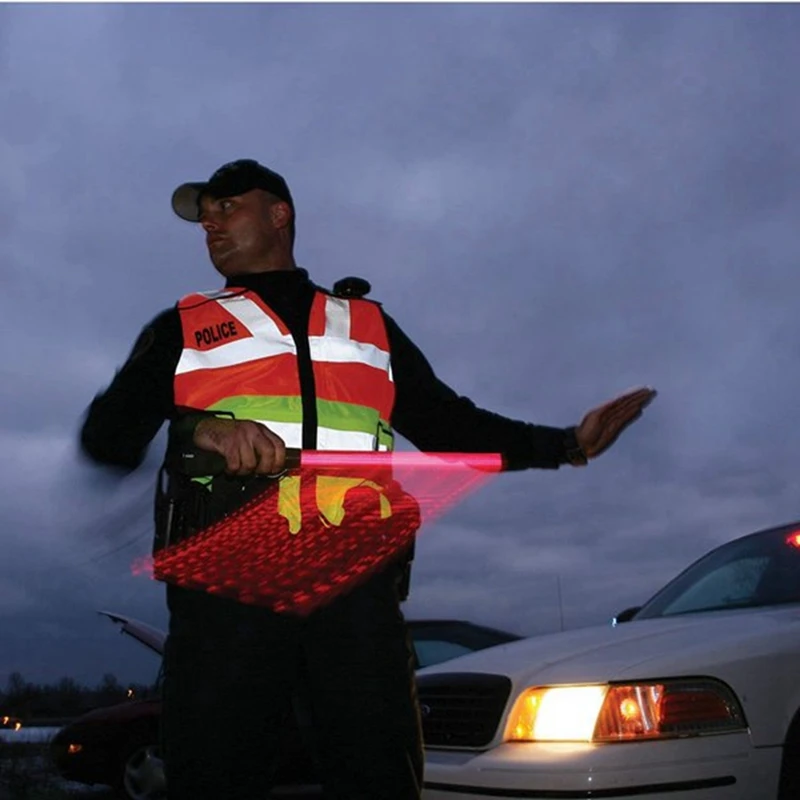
<point x="693" y="696"/>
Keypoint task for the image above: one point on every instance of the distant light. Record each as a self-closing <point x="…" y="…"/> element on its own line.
<point x="131" y="692"/>
<point x="793" y="539"/>
<point x="17" y="726"/>
<point x="74" y="748"/>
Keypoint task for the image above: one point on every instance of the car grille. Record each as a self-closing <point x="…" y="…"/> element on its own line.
<point x="461" y="709"/>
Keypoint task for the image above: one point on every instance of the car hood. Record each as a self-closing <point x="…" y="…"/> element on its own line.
<point x="150" y="637"/>
<point x="640" y="649"/>
<point x="120" y="712"/>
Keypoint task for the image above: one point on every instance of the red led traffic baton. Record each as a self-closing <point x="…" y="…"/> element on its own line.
<point x="284" y="549"/>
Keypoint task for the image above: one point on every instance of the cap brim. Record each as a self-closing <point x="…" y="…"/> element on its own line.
<point x="185" y="201"/>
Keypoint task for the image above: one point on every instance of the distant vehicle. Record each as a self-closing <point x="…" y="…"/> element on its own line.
<point x="118" y="746"/>
<point x="696" y="696"/>
<point x="10" y="723"/>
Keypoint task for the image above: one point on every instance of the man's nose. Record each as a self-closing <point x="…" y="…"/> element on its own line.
<point x="210" y="222"/>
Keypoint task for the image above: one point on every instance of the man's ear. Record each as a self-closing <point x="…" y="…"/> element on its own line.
<point x="280" y="214"/>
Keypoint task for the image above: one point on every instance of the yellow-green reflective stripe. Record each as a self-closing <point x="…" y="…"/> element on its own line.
<point x="330" y="414"/>
<point x="279" y="409"/>
<point x="347" y="417"/>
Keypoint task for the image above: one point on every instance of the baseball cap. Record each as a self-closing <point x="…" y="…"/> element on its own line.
<point x="235" y="177"/>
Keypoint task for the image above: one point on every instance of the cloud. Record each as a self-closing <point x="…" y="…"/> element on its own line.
<point x="555" y="203"/>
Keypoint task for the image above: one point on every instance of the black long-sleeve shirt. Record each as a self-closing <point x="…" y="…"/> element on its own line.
<point x="122" y="420"/>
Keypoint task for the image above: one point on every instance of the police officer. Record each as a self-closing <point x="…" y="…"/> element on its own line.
<point x="244" y="373"/>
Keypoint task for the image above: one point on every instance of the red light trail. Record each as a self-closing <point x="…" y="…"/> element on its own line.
<point x="323" y="528"/>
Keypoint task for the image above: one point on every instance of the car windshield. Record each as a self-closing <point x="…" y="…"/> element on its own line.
<point x="762" y="569"/>
<point x="437" y="641"/>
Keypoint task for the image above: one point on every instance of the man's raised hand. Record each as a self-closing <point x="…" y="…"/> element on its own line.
<point x="601" y="427"/>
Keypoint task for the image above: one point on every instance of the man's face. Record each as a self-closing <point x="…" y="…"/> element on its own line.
<point x="241" y="231"/>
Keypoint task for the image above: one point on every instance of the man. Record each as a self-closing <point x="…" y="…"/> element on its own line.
<point x="272" y="362"/>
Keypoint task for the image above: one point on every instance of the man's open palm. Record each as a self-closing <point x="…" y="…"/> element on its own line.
<point x="601" y="427"/>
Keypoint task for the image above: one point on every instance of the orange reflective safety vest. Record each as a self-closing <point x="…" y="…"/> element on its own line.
<point x="239" y="357"/>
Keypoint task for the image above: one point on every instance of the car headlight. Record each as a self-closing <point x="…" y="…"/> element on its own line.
<point x="624" y="712"/>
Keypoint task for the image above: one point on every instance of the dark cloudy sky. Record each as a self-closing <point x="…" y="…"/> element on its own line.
<point x="556" y="202"/>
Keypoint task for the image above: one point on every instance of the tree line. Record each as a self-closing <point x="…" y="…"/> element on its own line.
<point x="66" y="698"/>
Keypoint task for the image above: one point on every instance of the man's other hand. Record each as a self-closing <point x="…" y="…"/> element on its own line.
<point x="249" y="448"/>
<point x="601" y="427"/>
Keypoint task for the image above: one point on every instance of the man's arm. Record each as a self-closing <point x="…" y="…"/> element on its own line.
<point x="122" y="421"/>
<point x="435" y="419"/>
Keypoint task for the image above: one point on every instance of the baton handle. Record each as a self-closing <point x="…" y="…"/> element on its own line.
<point x="198" y="463"/>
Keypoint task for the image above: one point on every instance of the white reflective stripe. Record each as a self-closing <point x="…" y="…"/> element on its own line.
<point x="337" y="317"/>
<point x="345" y="351"/>
<point x="336" y="346"/>
<point x="267" y="340"/>
<point x="290" y="432"/>
<point x="235" y="352"/>
<point x="216" y="294"/>
<point x="327" y="438"/>
<point x="331" y="439"/>
<point x="255" y="319"/>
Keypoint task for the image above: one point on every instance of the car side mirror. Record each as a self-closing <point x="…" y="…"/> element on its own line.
<point x="626" y="615"/>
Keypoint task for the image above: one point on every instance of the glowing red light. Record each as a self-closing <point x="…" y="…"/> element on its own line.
<point x="793" y="539"/>
<point x="255" y="556"/>
<point x="332" y="459"/>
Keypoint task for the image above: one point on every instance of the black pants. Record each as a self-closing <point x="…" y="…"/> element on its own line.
<point x="231" y="671"/>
